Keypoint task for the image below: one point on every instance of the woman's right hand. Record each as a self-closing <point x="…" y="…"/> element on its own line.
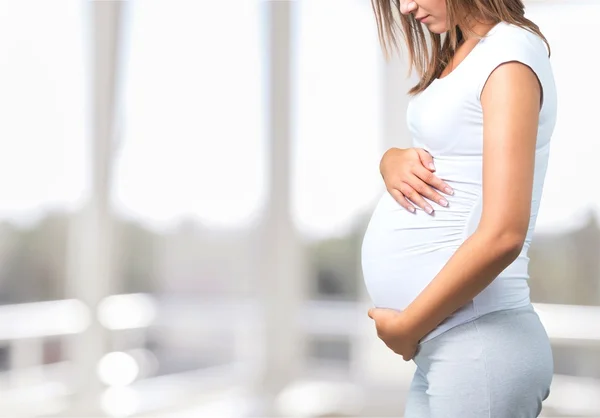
<point x="408" y="174"/>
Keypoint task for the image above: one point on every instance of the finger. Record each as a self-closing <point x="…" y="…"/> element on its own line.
<point x="402" y="201"/>
<point x="415" y="198"/>
<point x="432" y="180"/>
<point x="427" y="191"/>
<point x="426" y="159"/>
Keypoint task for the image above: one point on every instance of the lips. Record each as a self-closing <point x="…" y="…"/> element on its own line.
<point x="420" y="19"/>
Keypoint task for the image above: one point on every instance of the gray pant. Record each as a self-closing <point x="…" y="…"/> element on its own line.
<point x="499" y="365"/>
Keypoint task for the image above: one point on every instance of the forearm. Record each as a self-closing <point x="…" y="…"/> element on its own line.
<point x="476" y="263"/>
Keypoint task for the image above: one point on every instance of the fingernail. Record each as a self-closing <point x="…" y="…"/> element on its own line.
<point x="412" y="209"/>
<point x="449" y="190"/>
<point x="429" y="209"/>
<point x="443" y="202"/>
<point x="431" y="166"/>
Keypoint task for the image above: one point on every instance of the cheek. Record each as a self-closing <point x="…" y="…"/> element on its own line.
<point x="439" y="11"/>
<point x="438" y="8"/>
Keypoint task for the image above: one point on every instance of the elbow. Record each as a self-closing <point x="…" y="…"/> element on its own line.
<point x="513" y="245"/>
<point x="506" y="244"/>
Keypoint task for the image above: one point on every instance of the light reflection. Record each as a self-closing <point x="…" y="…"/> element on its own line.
<point x="118" y="369"/>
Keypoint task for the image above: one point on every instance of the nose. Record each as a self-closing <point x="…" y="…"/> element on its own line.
<point x="407" y="6"/>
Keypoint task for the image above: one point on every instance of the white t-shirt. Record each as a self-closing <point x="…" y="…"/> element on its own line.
<point x="402" y="252"/>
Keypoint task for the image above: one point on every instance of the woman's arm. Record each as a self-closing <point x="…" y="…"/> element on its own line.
<point x="511" y="102"/>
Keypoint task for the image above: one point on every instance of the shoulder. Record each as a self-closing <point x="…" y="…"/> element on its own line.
<point x="506" y="37"/>
<point x="511" y="43"/>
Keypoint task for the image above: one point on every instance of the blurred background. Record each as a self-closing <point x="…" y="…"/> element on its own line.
<point x="184" y="187"/>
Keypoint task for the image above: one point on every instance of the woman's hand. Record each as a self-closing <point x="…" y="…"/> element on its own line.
<point x="393" y="331"/>
<point x="408" y="174"/>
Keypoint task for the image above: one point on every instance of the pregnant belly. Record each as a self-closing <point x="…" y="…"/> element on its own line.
<point x="402" y="252"/>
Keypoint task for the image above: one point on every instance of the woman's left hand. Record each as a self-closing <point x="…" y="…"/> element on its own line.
<point x="392" y="330"/>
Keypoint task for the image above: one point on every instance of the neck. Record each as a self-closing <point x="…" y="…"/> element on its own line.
<point x="478" y="28"/>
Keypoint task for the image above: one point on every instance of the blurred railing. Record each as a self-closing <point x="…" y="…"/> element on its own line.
<point x="131" y="389"/>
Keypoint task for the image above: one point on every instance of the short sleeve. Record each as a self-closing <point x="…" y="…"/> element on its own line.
<point x="519" y="45"/>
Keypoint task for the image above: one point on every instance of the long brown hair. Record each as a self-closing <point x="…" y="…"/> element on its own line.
<point x="430" y="60"/>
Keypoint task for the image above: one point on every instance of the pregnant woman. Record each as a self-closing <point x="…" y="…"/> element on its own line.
<point x="449" y="278"/>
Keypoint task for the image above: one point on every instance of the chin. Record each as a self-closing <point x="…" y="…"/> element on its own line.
<point x="438" y="28"/>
